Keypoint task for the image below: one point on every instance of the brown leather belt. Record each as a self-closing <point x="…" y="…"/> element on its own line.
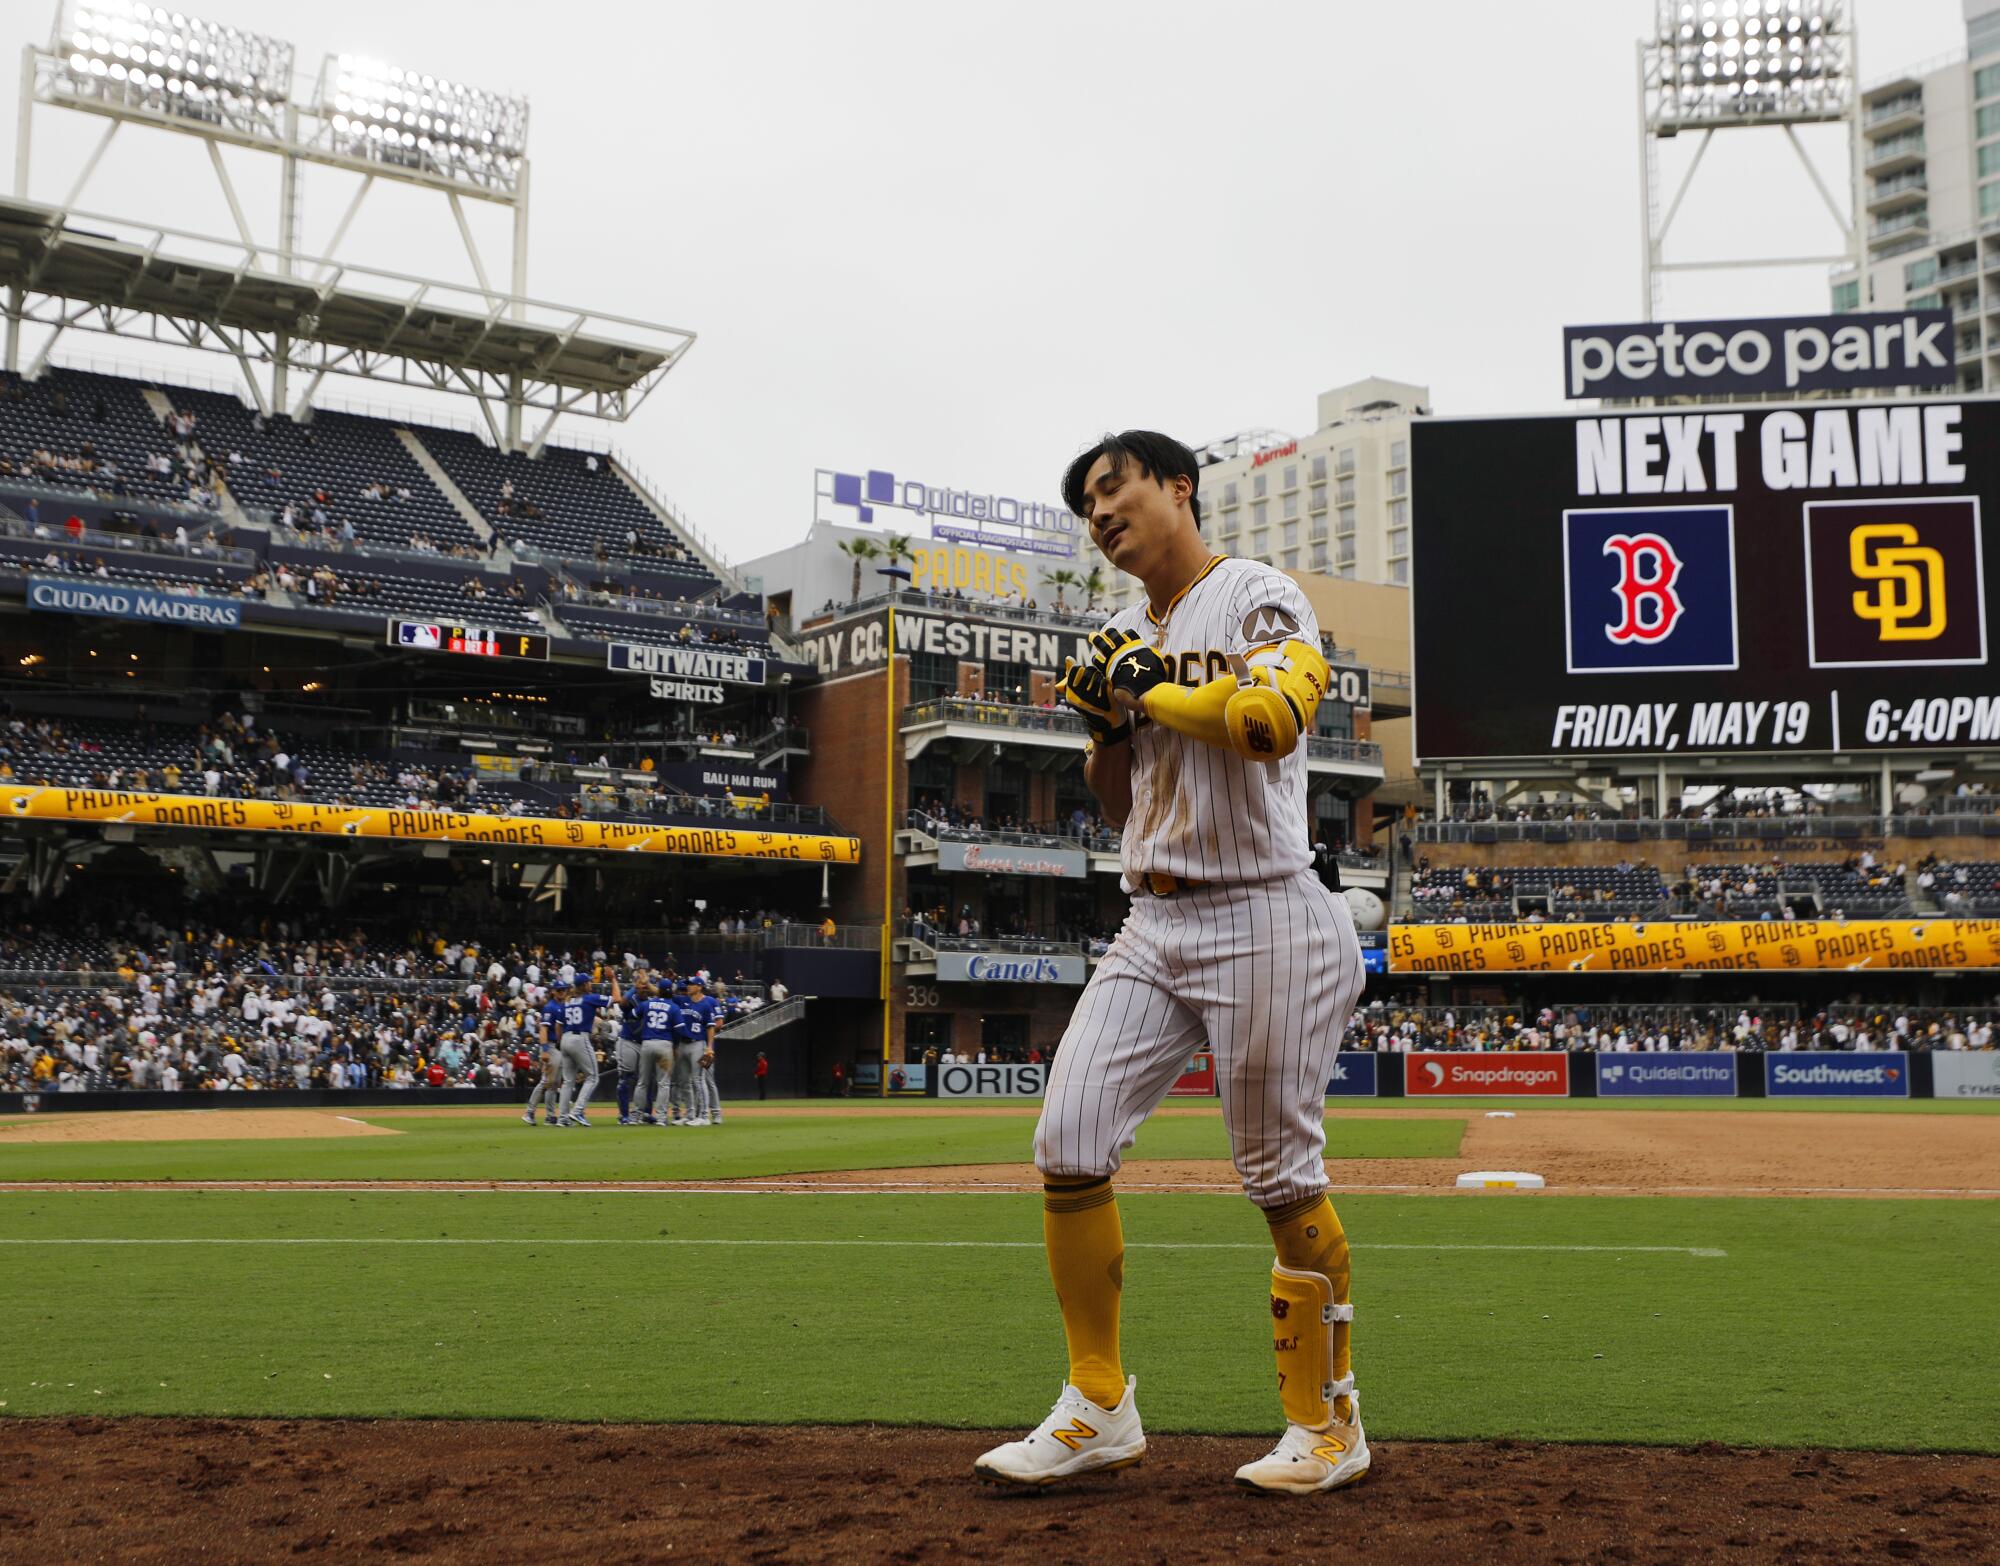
<point x="1161" y="883"/>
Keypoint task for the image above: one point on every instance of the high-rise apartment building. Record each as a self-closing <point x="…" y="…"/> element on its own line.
<point x="1336" y="502"/>
<point x="1931" y="192"/>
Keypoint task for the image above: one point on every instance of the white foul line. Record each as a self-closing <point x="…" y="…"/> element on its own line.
<point x="1702" y="1251"/>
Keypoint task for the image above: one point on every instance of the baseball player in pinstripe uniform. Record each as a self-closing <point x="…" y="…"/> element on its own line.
<point x="1199" y="701"/>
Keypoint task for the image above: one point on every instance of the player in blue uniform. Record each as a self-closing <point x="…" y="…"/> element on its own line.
<point x="654" y="1019"/>
<point x="704" y="1014"/>
<point x="550" y="1026"/>
<point x="579" y="1008"/>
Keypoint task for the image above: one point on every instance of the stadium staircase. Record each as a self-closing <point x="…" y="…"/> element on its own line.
<point x="481" y="528"/>
<point x="765" y="1020"/>
<point x="673" y="522"/>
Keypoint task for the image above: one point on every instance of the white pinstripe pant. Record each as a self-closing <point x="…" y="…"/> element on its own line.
<point x="1268" y="973"/>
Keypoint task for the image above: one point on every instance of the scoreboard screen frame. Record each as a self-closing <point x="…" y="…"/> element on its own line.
<point x="473" y="641"/>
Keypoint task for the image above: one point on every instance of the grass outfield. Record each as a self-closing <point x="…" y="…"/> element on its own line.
<point x="1763" y="1322"/>
<point x="496" y="1146"/>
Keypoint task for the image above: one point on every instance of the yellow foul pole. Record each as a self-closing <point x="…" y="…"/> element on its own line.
<point x="888" y="838"/>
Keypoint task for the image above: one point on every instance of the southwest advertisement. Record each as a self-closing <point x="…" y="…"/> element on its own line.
<point x="1776" y="944"/>
<point x="1814" y="1074"/>
<point x="437" y="826"/>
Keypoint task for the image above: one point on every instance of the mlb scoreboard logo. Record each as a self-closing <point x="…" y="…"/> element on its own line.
<point x="1650" y="590"/>
<point x="1894" y="582"/>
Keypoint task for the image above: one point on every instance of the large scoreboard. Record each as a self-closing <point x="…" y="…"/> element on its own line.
<point x="474" y="640"/>
<point x="1726" y="580"/>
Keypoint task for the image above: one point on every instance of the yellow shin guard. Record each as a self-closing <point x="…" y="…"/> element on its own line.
<point x="1305" y="1318"/>
<point x="1086" y="1244"/>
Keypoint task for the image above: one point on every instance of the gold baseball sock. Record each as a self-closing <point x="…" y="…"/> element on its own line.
<point x="1310" y="1239"/>
<point x="1087" y="1261"/>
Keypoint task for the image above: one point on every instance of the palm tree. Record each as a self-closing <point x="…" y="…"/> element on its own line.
<point x="858" y="550"/>
<point x="896" y="549"/>
<point x="1061" y="580"/>
<point x="1093" y="585"/>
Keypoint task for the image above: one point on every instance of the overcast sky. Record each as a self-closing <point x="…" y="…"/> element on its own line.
<point x="957" y="241"/>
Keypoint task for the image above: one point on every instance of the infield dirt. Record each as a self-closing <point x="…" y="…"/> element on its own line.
<point x="144" y="1491"/>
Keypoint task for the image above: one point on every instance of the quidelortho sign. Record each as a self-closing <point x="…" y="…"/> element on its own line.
<point x="961" y="515"/>
<point x="955" y="1081"/>
<point x="1778" y="353"/>
<point x="1672" y="1075"/>
<point x="1957" y="1073"/>
<point x="1013" y="859"/>
<point x="1008" y="968"/>
<point x="1353" y="1075"/>
<point x="115" y="602"/>
<point x="1823" y="1074"/>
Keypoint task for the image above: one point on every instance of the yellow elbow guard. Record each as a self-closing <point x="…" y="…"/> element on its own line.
<point x="1260" y="721"/>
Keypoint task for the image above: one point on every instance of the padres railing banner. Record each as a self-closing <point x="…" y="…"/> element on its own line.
<point x="439" y="826"/>
<point x="1774" y="944"/>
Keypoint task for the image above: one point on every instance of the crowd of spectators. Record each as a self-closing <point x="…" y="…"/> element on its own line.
<point x="203" y="1008"/>
<point x="1386" y="1027"/>
<point x="1081" y="827"/>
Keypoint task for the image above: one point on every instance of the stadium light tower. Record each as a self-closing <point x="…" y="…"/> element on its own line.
<point x="1714" y="65"/>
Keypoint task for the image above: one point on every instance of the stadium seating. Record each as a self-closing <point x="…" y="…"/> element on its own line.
<point x="1569" y="892"/>
<point x="374" y="588"/>
<point x="1967" y="890"/>
<point x="335" y="455"/>
<point x="1778" y="889"/>
<point x="563" y="508"/>
<point x="66" y="410"/>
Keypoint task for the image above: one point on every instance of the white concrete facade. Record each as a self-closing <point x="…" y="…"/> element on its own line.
<point x="1335" y="502"/>
<point x="1931" y="166"/>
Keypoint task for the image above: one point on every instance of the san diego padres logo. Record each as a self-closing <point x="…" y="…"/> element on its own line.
<point x="1649" y="606"/>
<point x="1907" y="599"/>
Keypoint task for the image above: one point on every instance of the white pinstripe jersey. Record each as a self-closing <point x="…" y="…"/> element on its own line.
<point x="1198" y="811"/>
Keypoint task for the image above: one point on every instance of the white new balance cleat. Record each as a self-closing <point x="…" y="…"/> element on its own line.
<point x="528" y="1118"/>
<point x="1305" y="1462"/>
<point x="1078" y="1437"/>
<point x="697" y="1121"/>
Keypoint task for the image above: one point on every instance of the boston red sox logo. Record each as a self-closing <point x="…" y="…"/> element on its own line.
<point x="1647" y="570"/>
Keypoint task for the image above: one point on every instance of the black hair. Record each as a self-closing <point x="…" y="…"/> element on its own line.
<point x="1159" y="457"/>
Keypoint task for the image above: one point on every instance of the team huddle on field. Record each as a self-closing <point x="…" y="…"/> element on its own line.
<point x="665" y="1043"/>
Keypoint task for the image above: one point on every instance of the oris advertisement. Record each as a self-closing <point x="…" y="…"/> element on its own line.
<point x="1727" y="581"/>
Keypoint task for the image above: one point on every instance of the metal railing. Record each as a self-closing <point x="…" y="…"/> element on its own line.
<point x="993" y="714"/>
<point x="654" y="608"/>
<point x="288" y="536"/>
<point x="845" y="937"/>
<point x="983" y="608"/>
<point x="1893" y="108"/>
<point x="1895" y="147"/>
<point x="179" y="511"/>
<point x="1366" y="752"/>
<point x="59" y="537"/>
<point x="1105" y="842"/>
<point x="765" y="1019"/>
<point x="655" y="565"/>
<point x="944" y="941"/>
<point x="1721" y="829"/>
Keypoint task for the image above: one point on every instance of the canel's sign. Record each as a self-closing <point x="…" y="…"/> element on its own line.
<point x="962" y="515"/>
